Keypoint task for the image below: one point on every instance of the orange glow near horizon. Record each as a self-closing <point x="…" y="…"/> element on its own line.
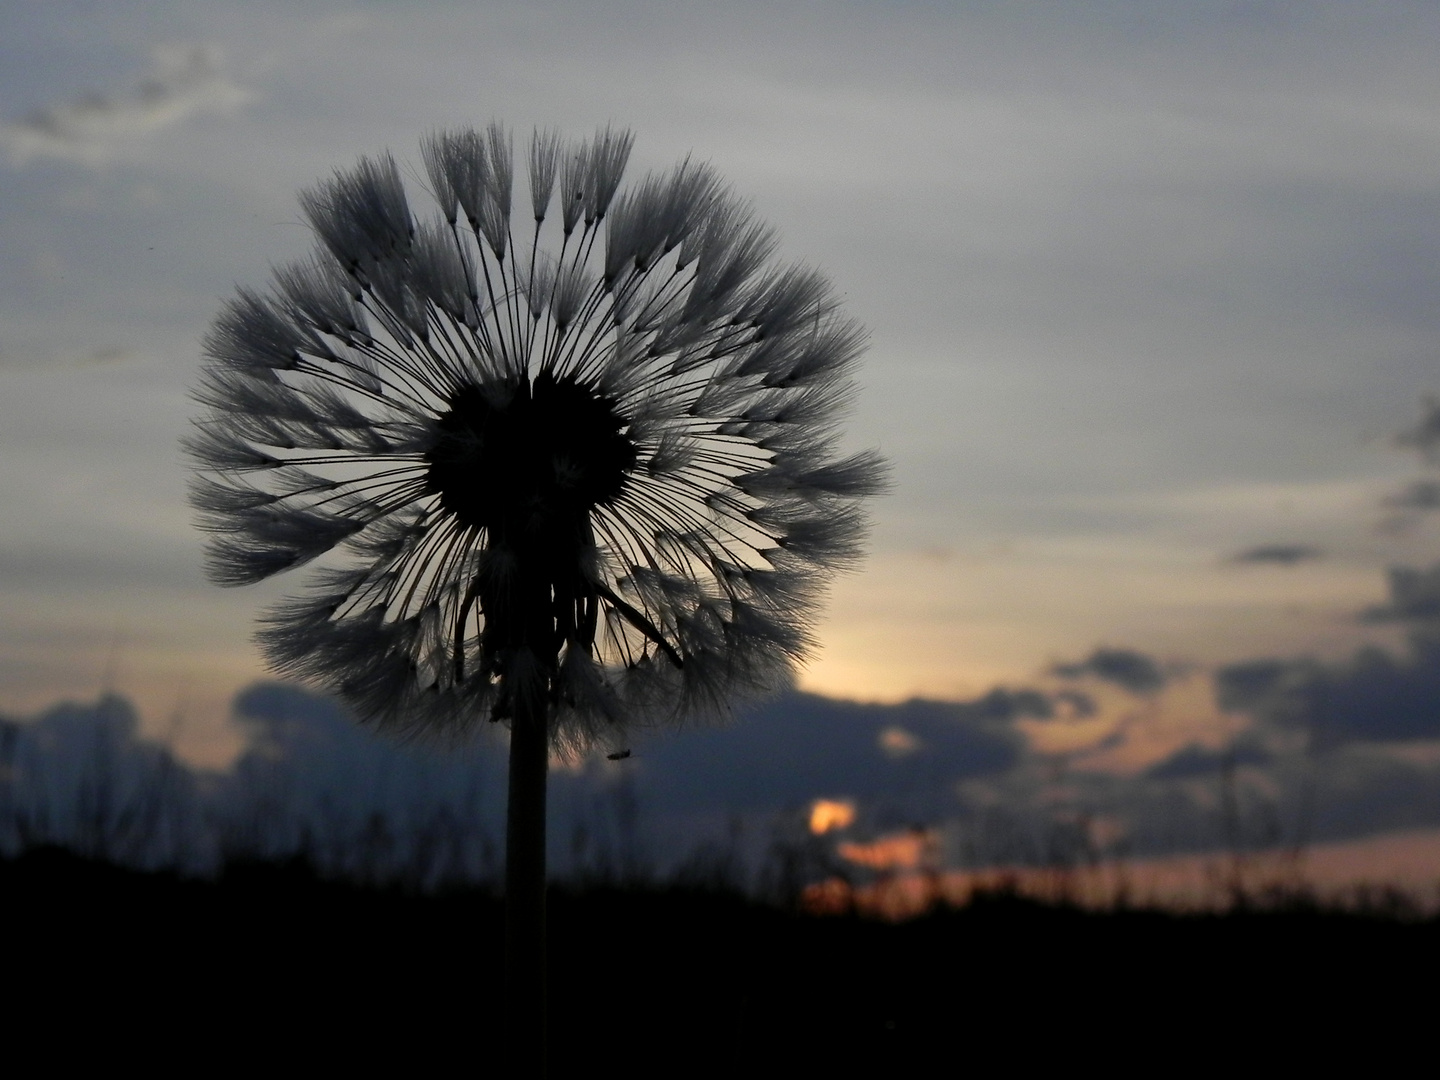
<point x="1345" y="873"/>
<point x="907" y="850"/>
<point x="827" y="815"/>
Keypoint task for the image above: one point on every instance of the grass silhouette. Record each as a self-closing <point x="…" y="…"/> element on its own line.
<point x="696" y="981"/>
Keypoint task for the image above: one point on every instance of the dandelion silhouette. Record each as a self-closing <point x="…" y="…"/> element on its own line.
<point x="577" y="486"/>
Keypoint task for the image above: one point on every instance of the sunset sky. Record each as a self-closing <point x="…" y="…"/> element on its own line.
<point x="1151" y="289"/>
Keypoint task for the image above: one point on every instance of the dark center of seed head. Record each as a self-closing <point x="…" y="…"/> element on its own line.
<point x="529" y="463"/>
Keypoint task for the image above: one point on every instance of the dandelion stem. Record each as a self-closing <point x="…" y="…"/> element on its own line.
<point x="525" y="886"/>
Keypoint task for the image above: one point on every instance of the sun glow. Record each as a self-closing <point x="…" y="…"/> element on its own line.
<point x="827" y="815"/>
<point x="899" y="851"/>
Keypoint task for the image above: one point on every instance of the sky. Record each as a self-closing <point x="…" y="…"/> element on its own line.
<point x="1149" y="287"/>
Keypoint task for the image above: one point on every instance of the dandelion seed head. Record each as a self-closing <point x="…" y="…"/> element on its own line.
<point x="588" y="466"/>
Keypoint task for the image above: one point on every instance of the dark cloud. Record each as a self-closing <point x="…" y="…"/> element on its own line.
<point x="781" y="753"/>
<point x="673" y="793"/>
<point x="1194" y="761"/>
<point x="1425" y="435"/>
<point x="1414" y="596"/>
<point x="681" y="791"/>
<point x="83" y="777"/>
<point x="1134" y="671"/>
<point x="312" y="782"/>
<point x="311" y="772"/>
<point x="1375" y="697"/>
<point x="1250" y="684"/>
<point x="1249" y="797"/>
<point x="1420" y="495"/>
<point x="1277" y="555"/>
<point x="801" y="746"/>
<point x="1359" y="793"/>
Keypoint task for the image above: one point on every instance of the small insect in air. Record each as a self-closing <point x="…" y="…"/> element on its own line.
<point x="619" y="755"/>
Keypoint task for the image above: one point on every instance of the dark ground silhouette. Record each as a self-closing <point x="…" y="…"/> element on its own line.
<point x="271" y="963"/>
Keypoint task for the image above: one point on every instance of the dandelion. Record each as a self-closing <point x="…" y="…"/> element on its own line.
<point x="576" y="484"/>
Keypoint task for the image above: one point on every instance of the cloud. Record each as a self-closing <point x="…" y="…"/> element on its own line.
<point x="1374" y="697"/>
<point x="82" y="776"/>
<point x="41" y="356"/>
<point x="334" y="781"/>
<point x="1414" y="596"/>
<point x="347" y="792"/>
<point x="799" y="747"/>
<point x="1276" y="555"/>
<point x="184" y="81"/>
<point x="1249" y="684"/>
<point x="311" y="782"/>
<point x="1425" y="435"/>
<point x="1419" y="495"/>
<point x="1134" y="671"/>
<point x="1194" y="761"/>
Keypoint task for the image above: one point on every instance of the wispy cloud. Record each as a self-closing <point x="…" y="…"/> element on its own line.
<point x="1126" y="668"/>
<point x="1276" y="555"/>
<point x="32" y="357"/>
<point x="1424" y="436"/>
<point x="184" y="81"/>
<point x="1419" y="495"/>
<point x="1414" y="596"/>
